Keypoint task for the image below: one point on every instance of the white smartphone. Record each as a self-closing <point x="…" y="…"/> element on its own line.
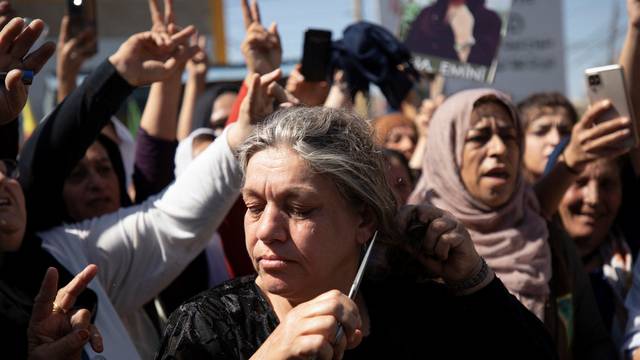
<point x="607" y="82"/>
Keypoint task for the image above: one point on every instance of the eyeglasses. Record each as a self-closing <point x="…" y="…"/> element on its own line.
<point x="9" y="168"/>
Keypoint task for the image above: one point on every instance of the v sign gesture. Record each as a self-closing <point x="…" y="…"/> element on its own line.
<point x="261" y="47"/>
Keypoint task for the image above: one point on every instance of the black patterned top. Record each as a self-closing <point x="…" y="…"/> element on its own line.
<point x="407" y="321"/>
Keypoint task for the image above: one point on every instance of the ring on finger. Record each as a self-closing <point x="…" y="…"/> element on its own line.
<point x="58" y="309"/>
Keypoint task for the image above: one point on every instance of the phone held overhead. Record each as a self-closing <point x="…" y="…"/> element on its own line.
<point x="608" y="83"/>
<point x="316" y="55"/>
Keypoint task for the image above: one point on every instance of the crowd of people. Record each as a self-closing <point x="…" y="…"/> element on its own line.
<point x="233" y="225"/>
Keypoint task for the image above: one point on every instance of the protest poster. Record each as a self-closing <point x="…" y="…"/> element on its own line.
<point x="455" y="38"/>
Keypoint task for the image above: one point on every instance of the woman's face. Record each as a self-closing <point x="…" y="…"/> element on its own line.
<point x="591" y="204"/>
<point x="490" y="155"/>
<point x="13" y="214"/>
<point x="302" y="236"/>
<point x="92" y="188"/>
<point x="402" y="139"/>
<point x="221" y="109"/>
<point x="398" y="179"/>
<point x="542" y="135"/>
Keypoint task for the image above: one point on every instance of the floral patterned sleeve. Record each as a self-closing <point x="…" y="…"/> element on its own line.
<point x="228" y="322"/>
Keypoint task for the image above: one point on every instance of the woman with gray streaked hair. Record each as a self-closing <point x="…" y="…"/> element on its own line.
<point x="315" y="193"/>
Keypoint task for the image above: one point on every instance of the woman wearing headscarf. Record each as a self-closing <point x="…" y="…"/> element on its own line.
<point x="472" y="169"/>
<point x="396" y="132"/>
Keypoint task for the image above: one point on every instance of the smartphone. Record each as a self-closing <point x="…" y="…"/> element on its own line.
<point x="316" y="54"/>
<point x="607" y="82"/>
<point x="82" y="15"/>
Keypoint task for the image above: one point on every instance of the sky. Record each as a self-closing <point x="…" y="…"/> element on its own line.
<point x="587" y="29"/>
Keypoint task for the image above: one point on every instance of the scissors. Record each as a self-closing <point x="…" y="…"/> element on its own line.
<point x="356" y="282"/>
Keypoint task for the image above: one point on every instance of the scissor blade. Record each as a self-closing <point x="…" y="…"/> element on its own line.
<point x="363" y="266"/>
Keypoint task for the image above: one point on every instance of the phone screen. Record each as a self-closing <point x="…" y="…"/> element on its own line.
<point x="316" y="54"/>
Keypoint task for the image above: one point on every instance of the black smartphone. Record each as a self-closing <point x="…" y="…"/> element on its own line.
<point x="316" y="54"/>
<point x="82" y="15"/>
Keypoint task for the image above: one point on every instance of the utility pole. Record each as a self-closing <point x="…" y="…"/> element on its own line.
<point x="613" y="33"/>
<point x="218" y="32"/>
<point x="357" y="10"/>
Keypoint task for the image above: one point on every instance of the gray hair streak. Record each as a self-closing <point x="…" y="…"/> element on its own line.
<point x="334" y="143"/>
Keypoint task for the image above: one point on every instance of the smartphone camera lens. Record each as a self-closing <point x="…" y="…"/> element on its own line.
<point x="594" y="80"/>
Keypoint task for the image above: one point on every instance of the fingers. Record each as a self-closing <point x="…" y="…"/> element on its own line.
<point x="13" y="81"/>
<point x="593" y="112"/>
<point x="169" y="16"/>
<point x="156" y="16"/>
<point x="64" y="30"/>
<point x="43" y="303"/>
<point x="603" y="143"/>
<point x="437" y="228"/>
<point x="96" y="339"/>
<point x="181" y="57"/>
<point x="281" y="95"/>
<point x="9" y="33"/>
<point x="275" y="35"/>
<point x="67" y="296"/>
<point x="339" y="347"/>
<point x="255" y="11"/>
<point x="424" y="213"/>
<point x="202" y="42"/>
<point x="78" y="48"/>
<point x="448" y="241"/>
<point x="23" y="42"/>
<point x="246" y="14"/>
<point x="268" y="78"/>
<point x="355" y="339"/>
<point x="16" y="94"/>
<point x="68" y="346"/>
<point x="182" y="37"/>
<point x="314" y="346"/>
<point x="36" y="59"/>
<point x="81" y="320"/>
<point x="602" y="129"/>
<point x="339" y="306"/>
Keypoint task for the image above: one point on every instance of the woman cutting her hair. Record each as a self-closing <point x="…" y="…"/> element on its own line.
<point x="316" y="193"/>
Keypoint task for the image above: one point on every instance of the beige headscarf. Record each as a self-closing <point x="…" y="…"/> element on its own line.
<point x="512" y="238"/>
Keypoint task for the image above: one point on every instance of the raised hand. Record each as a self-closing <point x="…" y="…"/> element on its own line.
<point x="591" y="140"/>
<point x="56" y="330"/>
<point x="446" y="250"/>
<point x="162" y="23"/>
<point x="426" y="111"/>
<point x="198" y="64"/>
<point x="262" y="92"/>
<point x="308" y="331"/>
<point x="261" y="47"/>
<point x="309" y="93"/>
<point x="72" y="53"/>
<point x="15" y="42"/>
<point x="148" y="57"/>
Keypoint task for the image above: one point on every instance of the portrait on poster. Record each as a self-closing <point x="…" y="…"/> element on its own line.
<point x="457" y="38"/>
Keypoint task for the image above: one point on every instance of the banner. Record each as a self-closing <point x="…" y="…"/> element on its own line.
<point x="532" y="54"/>
<point x="455" y="38"/>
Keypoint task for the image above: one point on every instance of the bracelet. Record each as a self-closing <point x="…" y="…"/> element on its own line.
<point x="476" y="282"/>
